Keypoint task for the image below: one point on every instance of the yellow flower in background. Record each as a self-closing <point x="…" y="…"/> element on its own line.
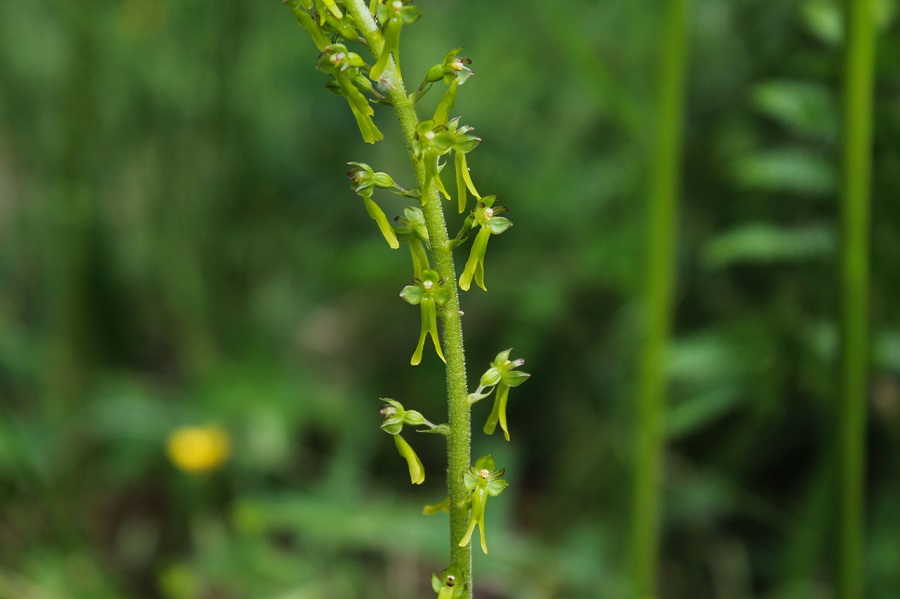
<point x="197" y="449"/>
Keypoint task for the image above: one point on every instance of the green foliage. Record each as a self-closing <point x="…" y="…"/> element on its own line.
<point x="178" y="247"/>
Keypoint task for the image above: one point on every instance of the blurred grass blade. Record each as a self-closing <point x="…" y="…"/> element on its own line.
<point x="660" y="267"/>
<point x="854" y="284"/>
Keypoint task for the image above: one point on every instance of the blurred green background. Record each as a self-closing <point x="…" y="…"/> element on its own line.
<point x="179" y="246"/>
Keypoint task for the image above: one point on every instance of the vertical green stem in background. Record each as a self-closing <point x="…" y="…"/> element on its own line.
<point x="660" y="275"/>
<point x="854" y="286"/>
<point x="460" y="439"/>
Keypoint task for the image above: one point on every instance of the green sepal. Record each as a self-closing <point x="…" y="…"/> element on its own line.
<point x="499" y="224"/>
<point x="412" y="293"/>
<point x="413" y="418"/>
<point x="393" y="413"/>
<point x="490" y="377"/>
<point x="381" y="220"/>
<point x="416" y="469"/>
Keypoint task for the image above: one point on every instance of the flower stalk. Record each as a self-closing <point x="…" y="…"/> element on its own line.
<point x="435" y="287"/>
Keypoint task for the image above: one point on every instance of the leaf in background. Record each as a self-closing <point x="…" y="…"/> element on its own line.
<point x="824" y="19"/>
<point x="786" y="169"/>
<point x="765" y="243"/>
<point x="807" y="109"/>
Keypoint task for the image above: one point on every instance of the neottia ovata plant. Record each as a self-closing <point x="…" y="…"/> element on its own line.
<point x="375" y="29"/>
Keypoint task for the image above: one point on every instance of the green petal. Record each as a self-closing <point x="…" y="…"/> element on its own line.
<point x="429" y="323"/>
<point x="417" y="355"/>
<point x="459" y="161"/>
<point x="381" y="220"/>
<point x="416" y="469"/>
<point x="491" y="425"/>
<point x="502" y="397"/>
<point x="476" y="257"/>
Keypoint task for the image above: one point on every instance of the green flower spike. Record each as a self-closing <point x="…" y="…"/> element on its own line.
<point x="344" y="65"/>
<point x="451" y="583"/>
<point x="393" y="15"/>
<point x="412" y="231"/>
<point x="429" y="292"/>
<point x="463" y="143"/>
<point x="502" y="373"/>
<point x="430" y="143"/>
<point x="483" y="481"/>
<point x="395" y="416"/>
<point x="485" y="217"/>
<point x="365" y="180"/>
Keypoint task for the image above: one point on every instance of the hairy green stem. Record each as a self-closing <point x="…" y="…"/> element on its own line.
<point x="660" y="275"/>
<point x="459" y="440"/>
<point x="854" y="287"/>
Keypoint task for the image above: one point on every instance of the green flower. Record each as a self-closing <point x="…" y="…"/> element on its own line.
<point x="344" y="66"/>
<point x="411" y="230"/>
<point x="433" y="140"/>
<point x="483" y="481"/>
<point x="485" y="218"/>
<point x="395" y="416"/>
<point x="392" y="14"/>
<point x="430" y="143"/>
<point x="504" y="375"/>
<point x="429" y="292"/>
<point x="364" y="181"/>
<point x="451" y="583"/>
<point x="463" y="143"/>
